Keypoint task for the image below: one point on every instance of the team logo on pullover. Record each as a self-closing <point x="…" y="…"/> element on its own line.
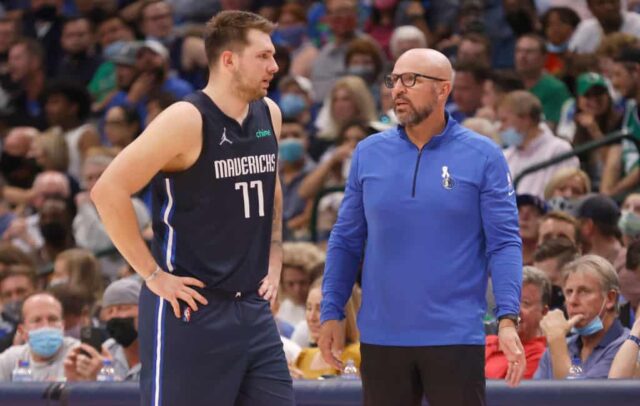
<point x="447" y="180"/>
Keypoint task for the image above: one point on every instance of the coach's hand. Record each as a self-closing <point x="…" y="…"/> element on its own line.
<point x="171" y="288"/>
<point x="331" y="342"/>
<point x="512" y="348"/>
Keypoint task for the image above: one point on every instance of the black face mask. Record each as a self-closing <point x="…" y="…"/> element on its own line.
<point x="123" y="330"/>
<point x="47" y="12"/>
<point x="54" y="232"/>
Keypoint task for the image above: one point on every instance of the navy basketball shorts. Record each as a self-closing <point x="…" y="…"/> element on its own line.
<point x="228" y="352"/>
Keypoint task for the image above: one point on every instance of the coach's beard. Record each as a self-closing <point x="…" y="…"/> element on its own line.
<point x="414" y="116"/>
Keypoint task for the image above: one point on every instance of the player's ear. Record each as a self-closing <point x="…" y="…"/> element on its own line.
<point x="228" y="59"/>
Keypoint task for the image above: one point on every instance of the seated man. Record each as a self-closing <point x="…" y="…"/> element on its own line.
<point x="550" y="257"/>
<point x="46" y="348"/>
<point x="536" y="290"/>
<point x="591" y="291"/>
<point x="120" y="312"/>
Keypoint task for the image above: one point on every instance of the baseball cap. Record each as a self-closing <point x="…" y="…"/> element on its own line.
<point x="122" y="52"/>
<point x="531" y="200"/>
<point x="122" y="292"/>
<point x="302" y="82"/>
<point x="599" y="208"/>
<point x="589" y="80"/>
<point x="155" y="46"/>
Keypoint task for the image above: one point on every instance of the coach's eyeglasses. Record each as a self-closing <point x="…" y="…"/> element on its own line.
<point x="408" y="79"/>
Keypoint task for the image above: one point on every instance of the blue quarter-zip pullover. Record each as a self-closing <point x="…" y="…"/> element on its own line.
<point x="432" y="225"/>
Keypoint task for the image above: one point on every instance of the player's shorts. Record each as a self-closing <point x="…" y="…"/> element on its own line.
<point x="228" y="352"/>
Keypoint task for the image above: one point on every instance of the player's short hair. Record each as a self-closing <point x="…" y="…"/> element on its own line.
<point x="228" y="30"/>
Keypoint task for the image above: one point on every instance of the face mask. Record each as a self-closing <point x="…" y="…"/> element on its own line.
<point x="123" y="330"/>
<point x="291" y="37"/>
<point x="11" y="310"/>
<point x="47" y="12"/>
<point x="557" y="49"/>
<point x="367" y="73"/>
<point x="45" y="341"/>
<point x="73" y="332"/>
<point x="511" y="137"/>
<point x="58" y="281"/>
<point x="291" y="150"/>
<point x="593" y="327"/>
<point x="292" y="105"/>
<point x="53" y="232"/>
<point x="561" y="203"/>
<point x="629" y="224"/>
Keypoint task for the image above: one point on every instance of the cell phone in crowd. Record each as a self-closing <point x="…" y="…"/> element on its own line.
<point x="94" y="336"/>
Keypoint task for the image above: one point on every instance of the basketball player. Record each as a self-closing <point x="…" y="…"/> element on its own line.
<point x="207" y="335"/>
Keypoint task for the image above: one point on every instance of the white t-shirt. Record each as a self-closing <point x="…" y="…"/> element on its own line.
<point x="52" y="370"/>
<point x="291" y="312"/>
<point x="588" y="34"/>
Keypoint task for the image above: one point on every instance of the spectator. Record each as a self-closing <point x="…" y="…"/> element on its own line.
<point x="54" y="223"/>
<point x="194" y="67"/>
<point x="558" y="25"/>
<point x="79" y="61"/>
<point x="559" y="224"/>
<point x="550" y="257"/>
<point x="630" y="285"/>
<point x="342" y="19"/>
<point x="349" y="100"/>
<point x="310" y="363"/>
<point x="608" y="17"/>
<point x="122" y="125"/>
<point x="529" y="141"/>
<point x="534" y="304"/>
<point x="591" y="289"/>
<point x="300" y="266"/>
<point x="483" y="126"/>
<point x="610" y="48"/>
<point x="565" y="187"/>
<point x="598" y="217"/>
<point x="120" y="312"/>
<point x="17" y="282"/>
<point x="530" y="210"/>
<point x="42" y="329"/>
<point x="68" y="105"/>
<point x="529" y="62"/>
<point x="497" y="85"/>
<point x="363" y="59"/>
<point x="79" y="268"/>
<point x="156" y="23"/>
<point x="16" y="168"/>
<point x="112" y="29"/>
<point x="621" y="74"/>
<point x="474" y="48"/>
<point x="296" y="101"/>
<point x="468" y="84"/>
<point x="50" y="151"/>
<point x="8" y="34"/>
<point x="404" y="38"/>
<point x="76" y="307"/>
<point x="43" y="23"/>
<point x="292" y="34"/>
<point x="27" y="72"/>
<point x="295" y="166"/>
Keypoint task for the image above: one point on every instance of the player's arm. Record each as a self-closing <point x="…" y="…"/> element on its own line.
<point x="170" y="143"/>
<point x="269" y="287"/>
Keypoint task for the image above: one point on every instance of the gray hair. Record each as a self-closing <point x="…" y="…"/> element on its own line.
<point x="596" y="265"/>
<point x="405" y="32"/>
<point x="539" y="279"/>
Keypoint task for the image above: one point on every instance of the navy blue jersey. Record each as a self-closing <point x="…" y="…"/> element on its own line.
<point x="213" y="220"/>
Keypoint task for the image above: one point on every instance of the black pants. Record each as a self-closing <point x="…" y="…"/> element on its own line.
<point x="448" y="375"/>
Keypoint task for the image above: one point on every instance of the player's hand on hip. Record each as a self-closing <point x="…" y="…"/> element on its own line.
<point x="171" y="288"/>
<point x="331" y="342"/>
<point x="512" y="348"/>
<point x="269" y="288"/>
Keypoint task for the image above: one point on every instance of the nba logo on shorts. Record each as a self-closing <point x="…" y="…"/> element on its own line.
<point x="186" y="316"/>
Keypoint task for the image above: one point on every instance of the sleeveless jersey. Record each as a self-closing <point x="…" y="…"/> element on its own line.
<point x="213" y="220"/>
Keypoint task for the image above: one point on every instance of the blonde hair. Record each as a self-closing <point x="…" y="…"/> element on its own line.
<point x="362" y="99"/>
<point x="352" y="334"/>
<point x="84" y="271"/>
<point x="562" y="175"/>
<point x="595" y="265"/>
<point x="484" y="127"/>
<point x="54" y="148"/>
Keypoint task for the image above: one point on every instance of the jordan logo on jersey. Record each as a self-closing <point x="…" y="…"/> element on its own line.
<point x="224" y="137"/>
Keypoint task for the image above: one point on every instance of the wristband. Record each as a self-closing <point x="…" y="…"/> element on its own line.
<point x="153" y="275"/>
<point x="634" y="339"/>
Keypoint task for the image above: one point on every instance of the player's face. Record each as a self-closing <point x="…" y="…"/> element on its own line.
<point x="256" y="66"/>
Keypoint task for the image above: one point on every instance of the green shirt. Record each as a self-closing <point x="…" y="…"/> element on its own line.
<point x="552" y="93"/>
<point x="631" y="123"/>
<point x="103" y="81"/>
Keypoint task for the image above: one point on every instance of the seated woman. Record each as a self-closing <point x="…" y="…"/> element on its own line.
<point x="310" y="364"/>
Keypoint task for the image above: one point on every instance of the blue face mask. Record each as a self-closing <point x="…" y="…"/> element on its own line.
<point x="511" y="137"/>
<point x="629" y="224"/>
<point x="291" y="150"/>
<point x="290" y="37"/>
<point x="45" y="341"/>
<point x="593" y="327"/>
<point x="292" y="105"/>
<point x="557" y="49"/>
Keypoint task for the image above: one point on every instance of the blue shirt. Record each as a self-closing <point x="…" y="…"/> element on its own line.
<point x="599" y="362"/>
<point x="433" y="224"/>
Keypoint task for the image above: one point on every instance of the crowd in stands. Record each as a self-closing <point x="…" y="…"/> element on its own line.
<point x="81" y="79"/>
